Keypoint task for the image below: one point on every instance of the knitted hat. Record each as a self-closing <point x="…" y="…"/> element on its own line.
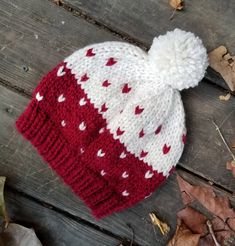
<point x="109" y="119"/>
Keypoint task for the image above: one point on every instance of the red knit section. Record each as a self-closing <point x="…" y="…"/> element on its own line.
<point x="65" y="128"/>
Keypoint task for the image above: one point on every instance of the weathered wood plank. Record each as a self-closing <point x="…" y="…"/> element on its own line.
<point x="51" y="227"/>
<point x="26" y="172"/>
<point x="213" y="21"/>
<point x="56" y="40"/>
<point x="205" y="153"/>
<point x="35" y="36"/>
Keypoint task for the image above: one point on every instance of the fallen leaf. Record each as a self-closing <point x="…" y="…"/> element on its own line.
<point x="221" y="236"/>
<point x="194" y="220"/>
<point x="184" y="236"/>
<point x="177" y="4"/>
<point x="225" y="98"/>
<point x="17" y="235"/>
<point x="231" y="166"/>
<point x="3" y="211"/>
<point x="222" y="62"/>
<point x="58" y="2"/>
<point x="163" y="227"/>
<point x="219" y="206"/>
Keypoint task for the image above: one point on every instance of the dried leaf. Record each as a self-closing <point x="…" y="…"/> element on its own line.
<point x="231" y="166"/>
<point x="58" y="2"/>
<point x="221" y="236"/>
<point x="183" y="236"/>
<point x="194" y="220"/>
<point x="163" y="227"/>
<point x="177" y="4"/>
<point x="17" y="235"/>
<point x="225" y="98"/>
<point x="219" y="206"/>
<point x="222" y="62"/>
<point x="3" y="212"/>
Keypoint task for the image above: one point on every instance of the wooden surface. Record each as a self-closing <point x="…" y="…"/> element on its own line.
<point x="139" y="21"/>
<point x="44" y="219"/>
<point x="34" y="37"/>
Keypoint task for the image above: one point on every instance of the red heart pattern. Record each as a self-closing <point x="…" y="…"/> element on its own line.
<point x="158" y="130"/>
<point x="143" y="154"/>
<point x="90" y="53"/>
<point x="138" y="110"/>
<point x="111" y="61"/>
<point x="166" y="149"/>
<point x="106" y="83"/>
<point x="141" y="133"/>
<point x="119" y="131"/>
<point x="104" y="108"/>
<point x="84" y="78"/>
<point x="126" y="89"/>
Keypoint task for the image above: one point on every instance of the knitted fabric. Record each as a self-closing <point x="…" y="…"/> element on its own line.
<point x="110" y="122"/>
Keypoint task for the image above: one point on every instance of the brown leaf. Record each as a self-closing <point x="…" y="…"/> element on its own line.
<point x="222" y="62"/>
<point x="58" y="2"/>
<point x="177" y="4"/>
<point x="163" y="227"/>
<point x="221" y="236"/>
<point x="194" y="220"/>
<point x="17" y="235"/>
<point x="3" y="211"/>
<point x="219" y="206"/>
<point x="183" y="236"/>
<point x="231" y="166"/>
<point x="225" y="98"/>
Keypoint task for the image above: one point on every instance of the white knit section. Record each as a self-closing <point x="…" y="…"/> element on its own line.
<point x="148" y="103"/>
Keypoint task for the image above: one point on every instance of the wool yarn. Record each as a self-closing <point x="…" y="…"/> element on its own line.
<point x="109" y="118"/>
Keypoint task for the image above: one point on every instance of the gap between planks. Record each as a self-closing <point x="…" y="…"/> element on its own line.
<point x="126" y="37"/>
<point x="81" y="14"/>
<point x="68" y="215"/>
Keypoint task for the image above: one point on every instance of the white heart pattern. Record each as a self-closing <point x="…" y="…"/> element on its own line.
<point x="125" y="175"/>
<point x="82" y="102"/>
<point x="82" y="150"/>
<point x="125" y="193"/>
<point x="100" y="153"/>
<point x="148" y="175"/>
<point x="123" y="155"/>
<point x="82" y="126"/>
<point x="102" y="173"/>
<point x="63" y="123"/>
<point x="61" y="98"/>
<point x="148" y="195"/>
<point x="60" y="71"/>
<point x="101" y="130"/>
<point x="39" y="97"/>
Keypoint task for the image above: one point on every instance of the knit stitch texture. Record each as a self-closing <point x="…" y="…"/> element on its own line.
<point x="110" y="122"/>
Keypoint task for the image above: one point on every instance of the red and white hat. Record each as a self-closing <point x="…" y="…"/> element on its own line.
<point x="109" y="119"/>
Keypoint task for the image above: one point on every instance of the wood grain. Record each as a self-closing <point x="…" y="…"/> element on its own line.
<point x="35" y="36"/>
<point x="51" y="227"/>
<point x="213" y="21"/>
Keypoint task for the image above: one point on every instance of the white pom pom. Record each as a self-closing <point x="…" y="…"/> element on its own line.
<point x="179" y="58"/>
